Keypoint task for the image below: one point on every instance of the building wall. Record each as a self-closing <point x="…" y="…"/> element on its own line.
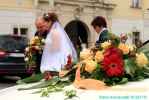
<point x="125" y="11"/>
<point x="146" y="20"/>
<point x="145" y="4"/>
<point x="17" y="14"/>
<point x="17" y="4"/>
<point x="122" y="19"/>
<point x="10" y="19"/>
<point x="125" y="18"/>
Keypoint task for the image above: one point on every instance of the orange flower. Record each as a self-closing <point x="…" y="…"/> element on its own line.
<point x="124" y="48"/>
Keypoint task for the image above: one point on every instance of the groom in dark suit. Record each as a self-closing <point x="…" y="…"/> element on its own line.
<point x="42" y="31"/>
<point x="100" y="26"/>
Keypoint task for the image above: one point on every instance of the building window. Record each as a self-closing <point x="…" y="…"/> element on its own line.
<point x="15" y="31"/>
<point x="20" y="30"/>
<point x="23" y="31"/>
<point x="136" y="4"/>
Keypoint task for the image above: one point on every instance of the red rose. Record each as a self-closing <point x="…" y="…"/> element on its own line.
<point x="113" y="64"/>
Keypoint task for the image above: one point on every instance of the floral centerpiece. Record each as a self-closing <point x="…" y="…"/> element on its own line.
<point x="116" y="64"/>
<point x="35" y="45"/>
<point x="113" y="63"/>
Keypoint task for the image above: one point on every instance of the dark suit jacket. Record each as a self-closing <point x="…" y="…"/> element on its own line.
<point x="38" y="55"/>
<point x="104" y="36"/>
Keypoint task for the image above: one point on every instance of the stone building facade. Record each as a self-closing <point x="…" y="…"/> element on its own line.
<point x="76" y="15"/>
<point x="123" y="16"/>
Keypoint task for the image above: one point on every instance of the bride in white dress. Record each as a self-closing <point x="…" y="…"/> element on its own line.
<point x="57" y="48"/>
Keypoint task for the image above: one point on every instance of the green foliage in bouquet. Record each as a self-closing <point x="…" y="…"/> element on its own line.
<point x="114" y="38"/>
<point x="32" y="79"/>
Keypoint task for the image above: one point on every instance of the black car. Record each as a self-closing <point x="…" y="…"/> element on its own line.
<point x="12" y="55"/>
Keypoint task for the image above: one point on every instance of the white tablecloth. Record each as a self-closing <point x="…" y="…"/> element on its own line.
<point x="130" y="91"/>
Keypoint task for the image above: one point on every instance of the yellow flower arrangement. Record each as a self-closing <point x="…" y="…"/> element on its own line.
<point x="141" y="59"/>
<point x="86" y="54"/>
<point x="124" y="47"/>
<point x="109" y="63"/>
<point x="90" y="65"/>
<point x="106" y="44"/>
<point x="99" y="56"/>
<point x="35" y="45"/>
<point x="34" y="40"/>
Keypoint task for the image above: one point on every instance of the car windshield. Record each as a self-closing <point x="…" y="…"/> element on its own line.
<point x="13" y="43"/>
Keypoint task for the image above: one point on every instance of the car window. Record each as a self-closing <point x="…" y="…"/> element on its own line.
<point x="12" y="43"/>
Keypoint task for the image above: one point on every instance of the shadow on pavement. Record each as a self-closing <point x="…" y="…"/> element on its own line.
<point x="8" y="81"/>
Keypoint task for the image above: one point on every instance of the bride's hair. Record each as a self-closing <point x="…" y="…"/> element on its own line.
<point x="50" y="17"/>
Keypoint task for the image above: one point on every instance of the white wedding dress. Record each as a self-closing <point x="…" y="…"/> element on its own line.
<point x="57" y="48"/>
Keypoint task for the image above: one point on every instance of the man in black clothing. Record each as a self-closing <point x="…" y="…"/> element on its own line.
<point x="39" y="55"/>
<point x="42" y="31"/>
